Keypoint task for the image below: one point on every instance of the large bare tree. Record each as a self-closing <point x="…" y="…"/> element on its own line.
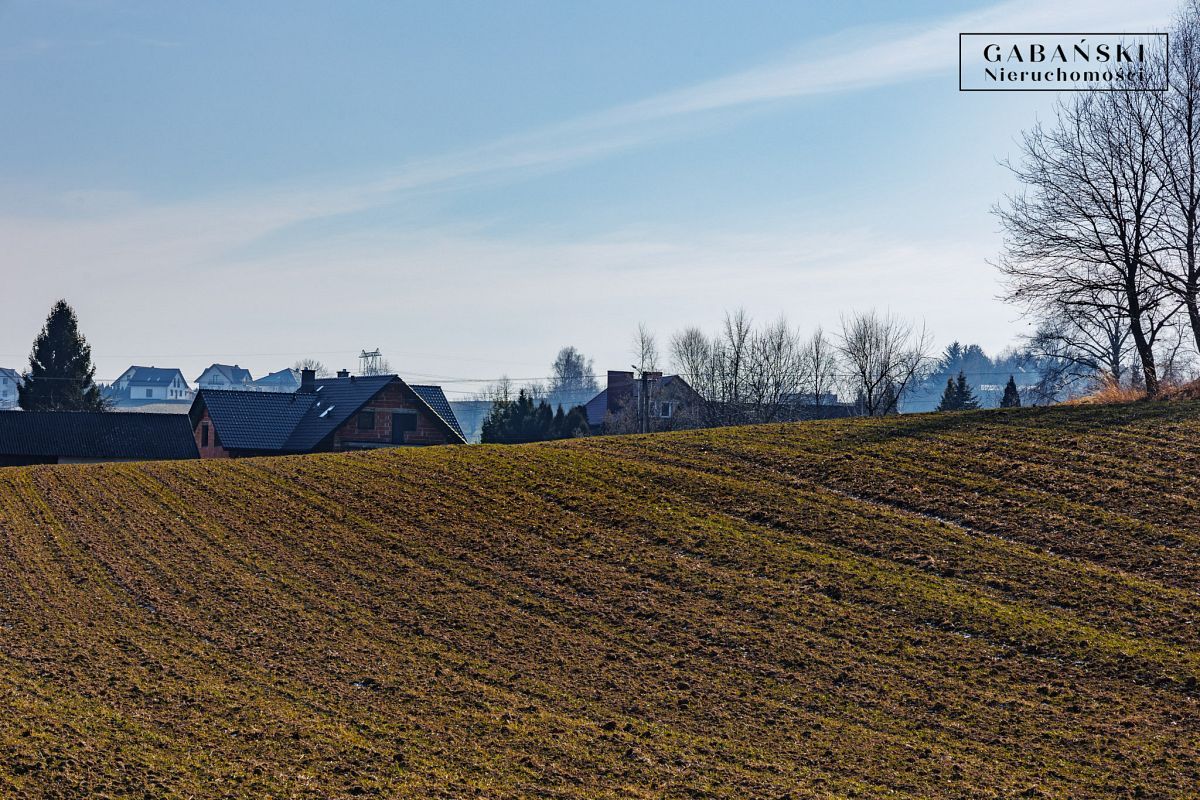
<point x="1089" y="222"/>
<point x="1178" y="161"/>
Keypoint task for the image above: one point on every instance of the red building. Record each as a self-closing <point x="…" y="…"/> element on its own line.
<point x="330" y="414"/>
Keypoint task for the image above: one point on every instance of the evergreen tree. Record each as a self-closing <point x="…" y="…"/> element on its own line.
<point x="958" y="395"/>
<point x="61" y="376"/>
<point x="521" y="420"/>
<point x="1012" y="397"/>
<point x="949" y="400"/>
<point x="966" y="398"/>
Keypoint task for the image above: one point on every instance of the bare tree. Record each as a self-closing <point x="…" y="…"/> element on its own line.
<point x="311" y="363"/>
<point x="692" y="357"/>
<point x="501" y="391"/>
<point x="773" y="367"/>
<point x="886" y="357"/>
<point x="1082" y="232"/>
<point x="1178" y="162"/>
<point x="1091" y="341"/>
<point x="645" y="348"/>
<point x="818" y="366"/>
<point x="572" y="374"/>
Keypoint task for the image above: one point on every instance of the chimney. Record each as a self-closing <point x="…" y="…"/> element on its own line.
<point x="343" y="373"/>
<point x="308" y="381"/>
<point x="620" y="389"/>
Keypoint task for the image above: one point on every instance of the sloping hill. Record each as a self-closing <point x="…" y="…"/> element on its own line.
<point x="996" y="604"/>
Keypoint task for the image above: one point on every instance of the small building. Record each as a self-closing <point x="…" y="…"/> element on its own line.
<point x="138" y="386"/>
<point x="10" y="381"/>
<point x="224" y="376"/>
<point x="81" y="437"/>
<point x="285" y="380"/>
<point x="671" y="404"/>
<point x="325" y="415"/>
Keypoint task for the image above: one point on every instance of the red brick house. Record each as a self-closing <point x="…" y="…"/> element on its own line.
<point x="330" y="414"/>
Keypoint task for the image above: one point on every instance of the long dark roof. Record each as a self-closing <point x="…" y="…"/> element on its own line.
<point x="96" y="434"/>
<point x="299" y="422"/>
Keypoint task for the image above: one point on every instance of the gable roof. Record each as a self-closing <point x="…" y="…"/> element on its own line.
<point x="291" y="422"/>
<point x="11" y="374"/>
<point x="96" y="434"/>
<point x="334" y="402"/>
<point x="597" y="408"/>
<point x="232" y="373"/>
<point x="433" y="397"/>
<point x="152" y="376"/>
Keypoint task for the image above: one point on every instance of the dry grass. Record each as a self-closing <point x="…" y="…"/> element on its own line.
<point x="990" y="604"/>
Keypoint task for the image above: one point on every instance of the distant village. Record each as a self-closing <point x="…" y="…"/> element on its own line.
<point x="56" y="412"/>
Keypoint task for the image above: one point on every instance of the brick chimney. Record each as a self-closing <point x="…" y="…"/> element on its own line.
<point x="620" y="390"/>
<point x="343" y="373"/>
<point x="308" y="381"/>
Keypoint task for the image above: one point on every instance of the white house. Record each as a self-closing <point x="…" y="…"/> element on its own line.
<point x="10" y="379"/>
<point x="140" y="385"/>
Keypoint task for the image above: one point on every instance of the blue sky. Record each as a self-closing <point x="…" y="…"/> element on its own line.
<point x="469" y="186"/>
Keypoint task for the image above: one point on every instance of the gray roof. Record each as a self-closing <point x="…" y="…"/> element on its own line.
<point x="152" y="376"/>
<point x="233" y="374"/>
<point x="11" y="374"/>
<point x="284" y="378"/>
<point x="298" y="423"/>
<point x="96" y="434"/>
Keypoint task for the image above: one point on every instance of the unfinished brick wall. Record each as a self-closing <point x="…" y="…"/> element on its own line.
<point x="213" y="448"/>
<point x="393" y="398"/>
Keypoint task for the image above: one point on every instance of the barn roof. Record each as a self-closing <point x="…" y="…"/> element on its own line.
<point x="96" y="434"/>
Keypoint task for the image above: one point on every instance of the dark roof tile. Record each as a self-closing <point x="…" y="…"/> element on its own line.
<point x="96" y="434"/>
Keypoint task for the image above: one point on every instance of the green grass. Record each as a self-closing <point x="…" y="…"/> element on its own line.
<point x="991" y="604"/>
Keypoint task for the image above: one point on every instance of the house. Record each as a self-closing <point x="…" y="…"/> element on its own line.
<point x="330" y="414"/>
<point x="142" y="385"/>
<point x="285" y="380"/>
<point x="79" y="437"/>
<point x="224" y="376"/>
<point x="10" y="381"/>
<point x="671" y="404"/>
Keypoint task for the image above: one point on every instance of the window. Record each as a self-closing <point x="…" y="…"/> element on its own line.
<point x="664" y="410"/>
<point x="402" y="422"/>
<point x="149" y="393"/>
<point x="204" y="435"/>
<point x="366" y="420"/>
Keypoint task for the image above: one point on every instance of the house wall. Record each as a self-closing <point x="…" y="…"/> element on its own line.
<point x="8" y="393"/>
<point x="214" y="449"/>
<point x="392" y="398"/>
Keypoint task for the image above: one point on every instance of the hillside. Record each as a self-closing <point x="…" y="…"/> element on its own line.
<point x="991" y="604"/>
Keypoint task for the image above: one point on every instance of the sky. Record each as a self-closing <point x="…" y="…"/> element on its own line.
<point x="469" y="186"/>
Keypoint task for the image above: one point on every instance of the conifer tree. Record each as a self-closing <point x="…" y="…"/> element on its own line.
<point x="949" y="400"/>
<point x="61" y="376"/>
<point x="1012" y="397"/>
<point x="966" y="398"/>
